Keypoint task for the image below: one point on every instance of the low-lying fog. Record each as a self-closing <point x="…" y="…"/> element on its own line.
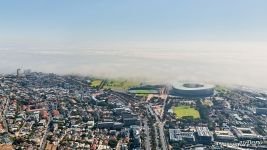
<point x="231" y="63"/>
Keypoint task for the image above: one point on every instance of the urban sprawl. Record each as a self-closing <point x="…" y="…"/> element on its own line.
<point x="55" y="112"/>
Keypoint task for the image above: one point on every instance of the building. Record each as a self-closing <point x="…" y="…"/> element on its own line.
<point x="177" y="135"/>
<point x="237" y="117"/>
<point x="124" y="146"/>
<point x="130" y="119"/>
<point x="117" y="125"/>
<point x="204" y="136"/>
<point x="246" y="133"/>
<point x="110" y="125"/>
<point x="36" y="116"/>
<point x="119" y="111"/>
<point x="192" y="89"/>
<point x="224" y="135"/>
<point x="98" y="101"/>
<point x="19" y="72"/>
<point x="105" y="125"/>
<point x="135" y="137"/>
<point x="261" y="99"/>
<point x="261" y="111"/>
<point x="90" y="124"/>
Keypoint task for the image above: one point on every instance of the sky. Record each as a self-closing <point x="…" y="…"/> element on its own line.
<point x="165" y="40"/>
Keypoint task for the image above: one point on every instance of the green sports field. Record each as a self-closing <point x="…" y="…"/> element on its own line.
<point x="183" y="111"/>
<point x="96" y="83"/>
<point x="121" y="85"/>
<point x="143" y="91"/>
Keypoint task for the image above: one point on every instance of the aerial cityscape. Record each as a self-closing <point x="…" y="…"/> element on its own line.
<point x="133" y="75"/>
<point x="49" y="111"/>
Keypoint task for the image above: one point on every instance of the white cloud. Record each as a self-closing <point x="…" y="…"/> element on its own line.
<point x="242" y="63"/>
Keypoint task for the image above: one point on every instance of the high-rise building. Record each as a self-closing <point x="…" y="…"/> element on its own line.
<point x="19" y="72"/>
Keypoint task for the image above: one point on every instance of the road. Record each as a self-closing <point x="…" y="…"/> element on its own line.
<point x="164" y="96"/>
<point x="162" y="136"/>
<point x="4" y="115"/>
<point x="163" y="108"/>
<point x="156" y="136"/>
<point x="161" y="129"/>
<point x="43" y="141"/>
<point x="146" y="128"/>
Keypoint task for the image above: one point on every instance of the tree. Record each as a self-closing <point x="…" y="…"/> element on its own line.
<point x="112" y="143"/>
<point x="203" y="111"/>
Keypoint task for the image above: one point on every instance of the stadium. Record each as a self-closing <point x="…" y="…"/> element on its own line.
<point x="192" y="89"/>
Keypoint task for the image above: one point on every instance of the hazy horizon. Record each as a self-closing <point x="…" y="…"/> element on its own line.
<point x="230" y="64"/>
<point x="207" y="41"/>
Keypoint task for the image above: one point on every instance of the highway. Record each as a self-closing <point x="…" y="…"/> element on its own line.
<point x="162" y="136"/>
<point x="147" y="140"/>
<point x="161" y="129"/>
<point x="156" y="136"/>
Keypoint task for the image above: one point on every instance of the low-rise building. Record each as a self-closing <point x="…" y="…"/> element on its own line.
<point x="246" y="133"/>
<point x="261" y="111"/>
<point x="224" y="135"/>
<point x="204" y="136"/>
<point x="177" y="135"/>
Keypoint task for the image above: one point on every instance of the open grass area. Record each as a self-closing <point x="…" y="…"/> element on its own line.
<point x="143" y="91"/>
<point x="221" y="89"/>
<point x="184" y="111"/>
<point x="142" y="95"/>
<point x="120" y="84"/>
<point x="96" y="83"/>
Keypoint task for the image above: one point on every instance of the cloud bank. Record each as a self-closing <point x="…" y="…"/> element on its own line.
<point x="231" y="63"/>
